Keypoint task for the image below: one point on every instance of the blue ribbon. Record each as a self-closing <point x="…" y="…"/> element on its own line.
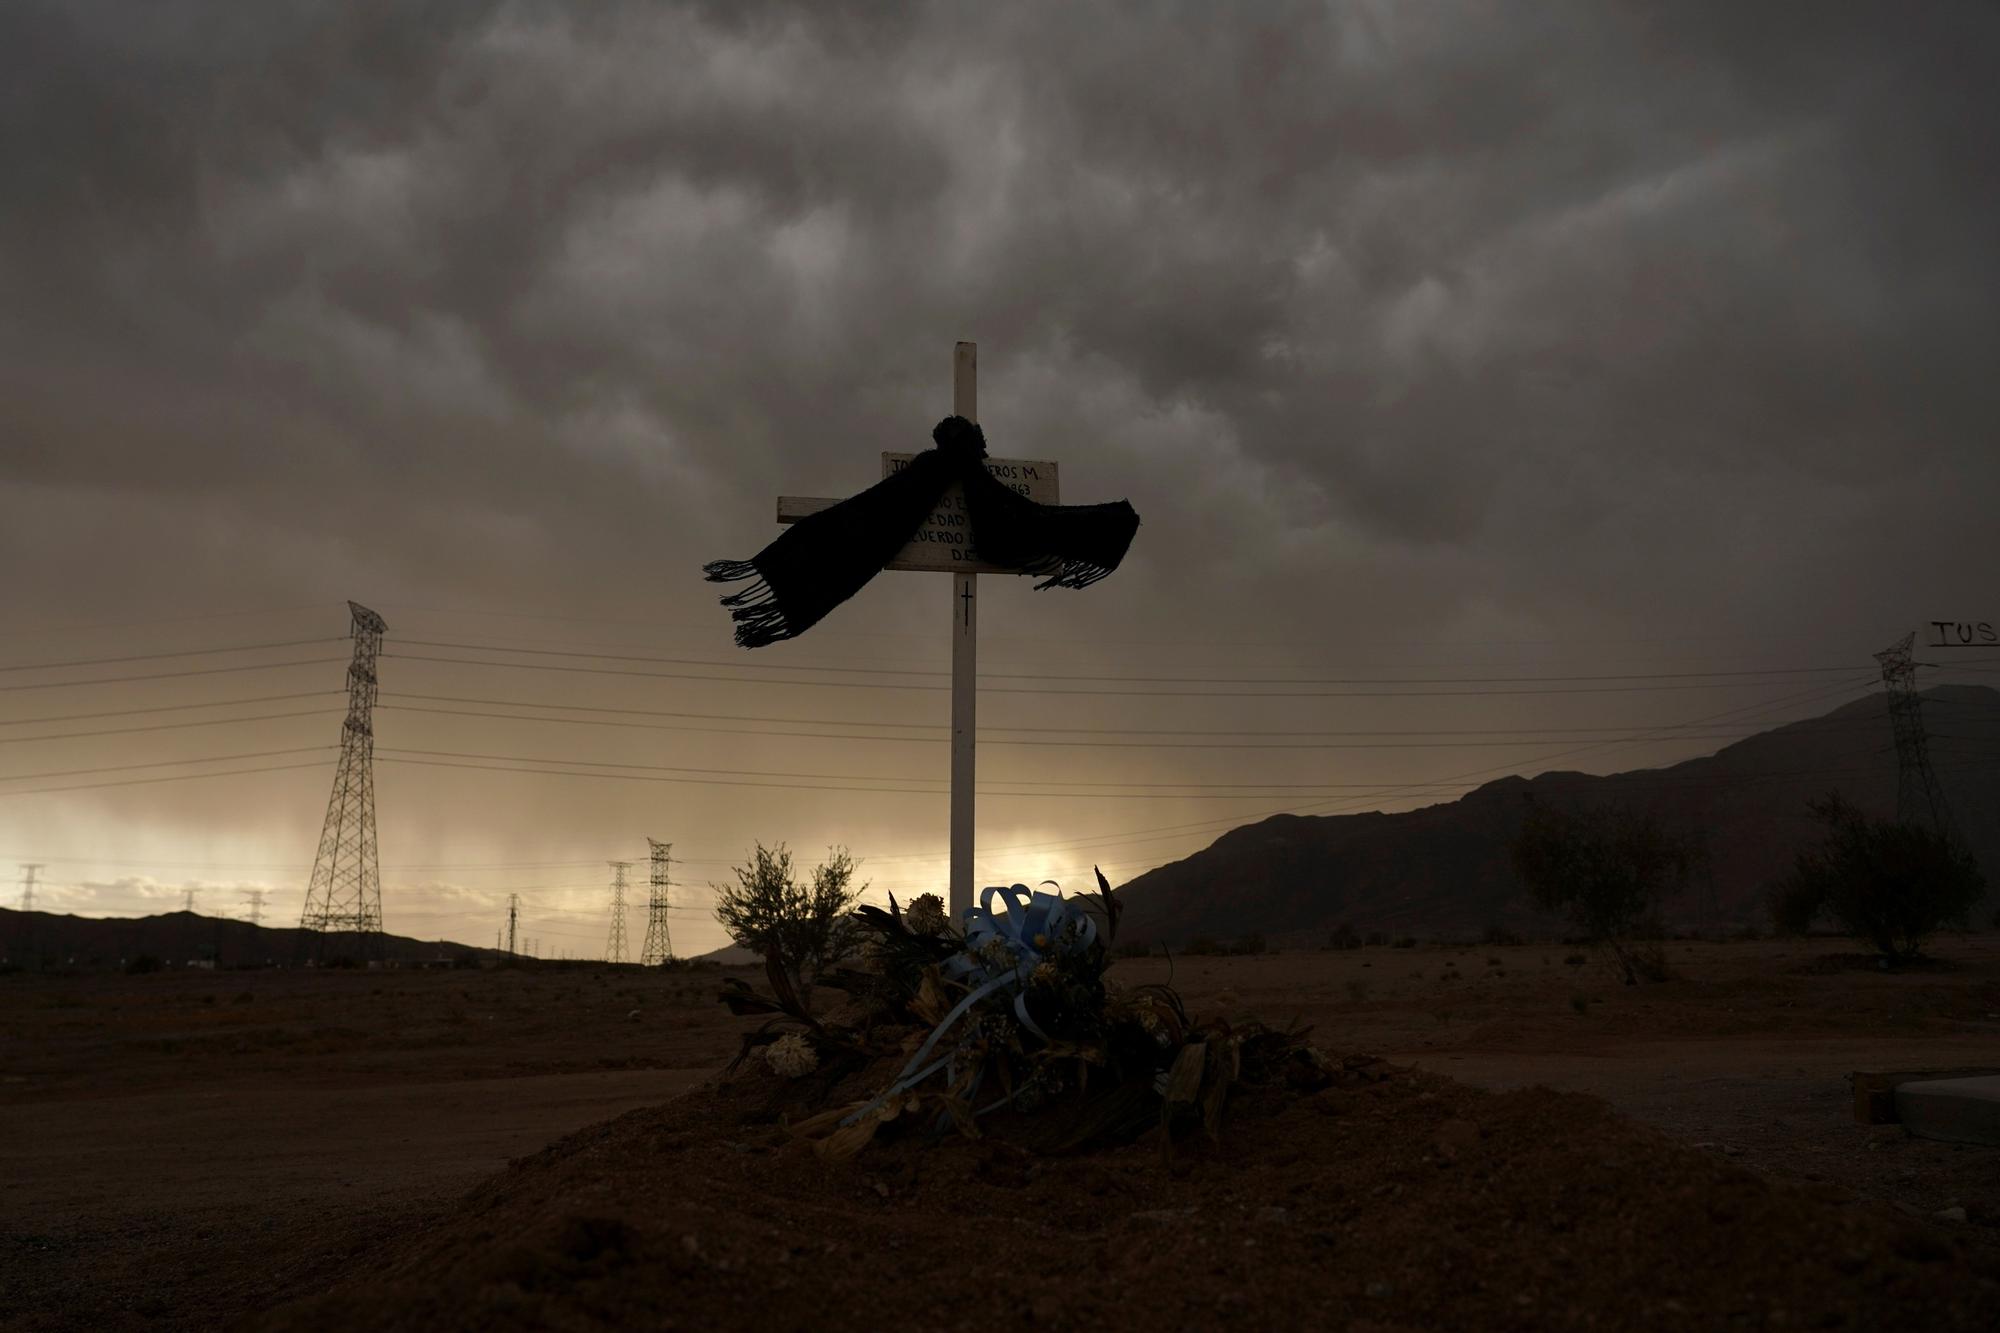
<point x="1059" y="926"/>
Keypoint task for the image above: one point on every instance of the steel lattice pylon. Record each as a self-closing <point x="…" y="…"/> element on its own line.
<point x="659" y="940"/>
<point x="1919" y="799"/>
<point x="614" y="950"/>
<point x="345" y="894"/>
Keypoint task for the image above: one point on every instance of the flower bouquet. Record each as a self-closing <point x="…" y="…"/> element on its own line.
<point x="1003" y="1023"/>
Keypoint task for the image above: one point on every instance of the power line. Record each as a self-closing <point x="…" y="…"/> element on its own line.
<point x="167" y="708"/>
<point x="1435" y="788"/>
<point x="1120" y="679"/>
<point x="1523" y="736"/>
<point x="1121" y="694"/>
<point x="1539" y="735"/>
<point x="165" y="726"/>
<point x="169" y="777"/>
<point x="1097" y="641"/>
<point x="853" y="777"/>
<point x="163" y="763"/>
<point x="799" y="786"/>
<point x="1084" y="731"/>
<point x="168" y="675"/>
<point x="24" y="631"/>
<point x="151" y="657"/>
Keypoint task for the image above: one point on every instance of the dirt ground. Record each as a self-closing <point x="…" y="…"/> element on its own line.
<point x="187" y="1150"/>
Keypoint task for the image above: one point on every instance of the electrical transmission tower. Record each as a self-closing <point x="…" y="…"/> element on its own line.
<point x="513" y="918"/>
<point x="346" y="889"/>
<point x="28" y="873"/>
<point x="256" y="897"/>
<point x="187" y="900"/>
<point x="614" y="952"/>
<point x="659" y="942"/>
<point x="1919" y="799"/>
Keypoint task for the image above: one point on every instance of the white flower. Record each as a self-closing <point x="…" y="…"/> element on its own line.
<point x="926" y="914"/>
<point x="791" y="1056"/>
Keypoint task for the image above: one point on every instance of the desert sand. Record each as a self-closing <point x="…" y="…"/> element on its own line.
<point x="194" y="1149"/>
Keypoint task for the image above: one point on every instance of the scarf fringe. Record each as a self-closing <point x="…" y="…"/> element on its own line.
<point x="729" y="571"/>
<point x="1067" y="573"/>
<point x="761" y="624"/>
<point x="759" y="619"/>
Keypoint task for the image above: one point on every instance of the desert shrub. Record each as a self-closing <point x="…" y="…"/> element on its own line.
<point x="1607" y="868"/>
<point x="1133" y="950"/>
<point x="1203" y="946"/>
<point x="1498" y="936"/>
<point x="1575" y="960"/>
<point x="1379" y="939"/>
<point x="141" y="964"/>
<point x="1406" y="942"/>
<point x="1344" y="936"/>
<point x="1794" y="904"/>
<point x="809" y="925"/>
<point x="1250" y="944"/>
<point x="1881" y="880"/>
<point x="1580" y="1003"/>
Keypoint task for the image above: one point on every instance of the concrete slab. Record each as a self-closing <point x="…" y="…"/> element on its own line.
<point x="1957" y="1110"/>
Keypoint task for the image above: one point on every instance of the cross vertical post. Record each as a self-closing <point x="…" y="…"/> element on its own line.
<point x="964" y="664"/>
<point x="943" y="542"/>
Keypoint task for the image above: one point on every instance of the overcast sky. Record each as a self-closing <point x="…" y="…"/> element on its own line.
<point x="1430" y="341"/>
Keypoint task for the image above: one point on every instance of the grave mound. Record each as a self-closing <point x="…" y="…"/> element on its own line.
<point x="1394" y="1198"/>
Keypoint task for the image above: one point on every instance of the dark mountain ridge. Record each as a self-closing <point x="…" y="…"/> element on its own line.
<point x="57" y="940"/>
<point x="1445" y="869"/>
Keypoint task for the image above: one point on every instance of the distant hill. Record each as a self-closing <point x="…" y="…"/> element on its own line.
<point x="731" y="955"/>
<point x="1444" y="869"/>
<point x="49" y="939"/>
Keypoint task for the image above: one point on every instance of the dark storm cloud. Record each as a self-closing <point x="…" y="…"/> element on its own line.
<point x="1471" y="323"/>
<point x="1418" y="279"/>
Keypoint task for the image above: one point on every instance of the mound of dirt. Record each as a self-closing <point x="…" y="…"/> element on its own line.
<point x="1395" y="1199"/>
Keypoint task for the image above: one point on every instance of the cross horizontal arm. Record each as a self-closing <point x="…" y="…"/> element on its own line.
<point x="792" y="508"/>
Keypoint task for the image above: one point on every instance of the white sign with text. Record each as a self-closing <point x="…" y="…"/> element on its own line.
<point x="946" y="540"/>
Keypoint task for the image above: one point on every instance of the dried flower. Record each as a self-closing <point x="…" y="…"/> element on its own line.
<point x="791" y="1056"/>
<point x="925" y="915"/>
<point x="1045" y="974"/>
<point x="997" y="954"/>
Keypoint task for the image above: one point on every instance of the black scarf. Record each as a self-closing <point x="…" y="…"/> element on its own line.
<point x="825" y="558"/>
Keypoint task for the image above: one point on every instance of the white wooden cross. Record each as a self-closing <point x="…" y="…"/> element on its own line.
<point x="945" y="544"/>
